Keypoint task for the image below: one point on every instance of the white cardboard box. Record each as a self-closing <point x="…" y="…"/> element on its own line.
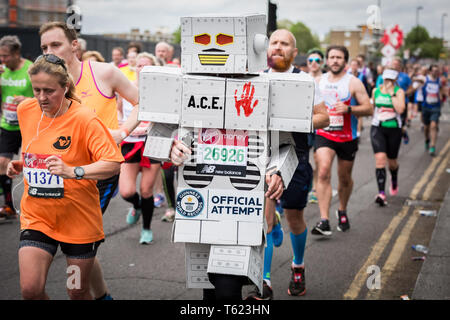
<point x="197" y="256"/>
<point x="203" y="101"/>
<point x="286" y="162"/>
<point x="247" y="103"/>
<point x="160" y="90"/>
<point x="291" y="102"/>
<point x="238" y="260"/>
<point x="223" y="44"/>
<point x="224" y="200"/>
<point x="159" y="141"/>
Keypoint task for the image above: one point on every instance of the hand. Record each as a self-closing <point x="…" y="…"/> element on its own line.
<point x="179" y="153"/>
<point x="340" y="107"/>
<point x="275" y="184"/>
<point x="57" y="167"/>
<point x="117" y="135"/>
<point x="18" y="99"/>
<point x="14" y="168"/>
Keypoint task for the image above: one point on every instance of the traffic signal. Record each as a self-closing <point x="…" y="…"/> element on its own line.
<point x="272" y="18"/>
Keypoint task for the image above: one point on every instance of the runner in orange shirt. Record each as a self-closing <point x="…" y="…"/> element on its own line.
<point x="96" y="84"/>
<point x="65" y="149"/>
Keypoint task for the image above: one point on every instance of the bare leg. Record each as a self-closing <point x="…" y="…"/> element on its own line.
<point x="345" y="186"/>
<point x="324" y="158"/>
<point x="34" y="264"/>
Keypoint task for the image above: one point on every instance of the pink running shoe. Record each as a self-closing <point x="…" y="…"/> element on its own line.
<point x="392" y="191"/>
<point x="381" y="200"/>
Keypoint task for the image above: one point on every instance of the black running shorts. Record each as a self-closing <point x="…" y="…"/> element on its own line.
<point x="387" y="140"/>
<point x="344" y="150"/>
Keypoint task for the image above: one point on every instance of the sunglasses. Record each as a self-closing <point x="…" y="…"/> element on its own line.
<point x="311" y="60"/>
<point x="52" y="59"/>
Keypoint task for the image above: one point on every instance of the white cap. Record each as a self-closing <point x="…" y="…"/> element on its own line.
<point x="390" y="74"/>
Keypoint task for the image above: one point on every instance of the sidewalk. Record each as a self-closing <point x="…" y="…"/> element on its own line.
<point x="433" y="282"/>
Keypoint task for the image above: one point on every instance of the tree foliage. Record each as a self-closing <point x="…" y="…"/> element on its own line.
<point x="305" y="39"/>
<point x="418" y="40"/>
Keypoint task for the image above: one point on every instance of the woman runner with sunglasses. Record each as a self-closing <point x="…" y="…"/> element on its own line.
<point x="66" y="149"/>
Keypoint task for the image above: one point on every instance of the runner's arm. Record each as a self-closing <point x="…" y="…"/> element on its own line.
<point x="320" y="116"/>
<point x="398" y="101"/>
<point x="358" y="90"/>
<point x="127" y="90"/>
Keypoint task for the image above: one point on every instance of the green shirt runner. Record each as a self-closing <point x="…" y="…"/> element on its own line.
<point x="14" y="83"/>
<point x="385" y="115"/>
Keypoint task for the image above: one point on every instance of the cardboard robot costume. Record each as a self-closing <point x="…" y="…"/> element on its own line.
<point x="237" y="121"/>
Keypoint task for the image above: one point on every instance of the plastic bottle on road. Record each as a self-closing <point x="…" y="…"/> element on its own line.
<point x="420" y="248"/>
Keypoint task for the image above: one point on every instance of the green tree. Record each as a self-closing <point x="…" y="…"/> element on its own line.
<point x="419" y="38"/>
<point x="177" y="36"/>
<point x="305" y="39"/>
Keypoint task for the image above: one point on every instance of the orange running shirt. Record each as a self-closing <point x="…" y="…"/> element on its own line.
<point x="105" y="107"/>
<point x="79" y="138"/>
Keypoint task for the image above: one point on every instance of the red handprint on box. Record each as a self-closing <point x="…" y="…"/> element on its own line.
<point x="246" y="100"/>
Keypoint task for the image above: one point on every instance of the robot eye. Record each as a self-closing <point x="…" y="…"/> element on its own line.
<point x="203" y="39"/>
<point x="224" y="39"/>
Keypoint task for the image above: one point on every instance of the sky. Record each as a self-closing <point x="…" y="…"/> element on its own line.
<point x="114" y="16"/>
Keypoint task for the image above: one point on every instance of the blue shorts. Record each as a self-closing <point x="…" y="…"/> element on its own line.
<point x="430" y="114"/>
<point x="296" y="194"/>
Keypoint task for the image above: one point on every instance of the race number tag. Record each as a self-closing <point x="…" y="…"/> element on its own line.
<point x="10" y="111"/>
<point x="336" y="121"/>
<point x="41" y="183"/>
<point x="432" y="90"/>
<point x="222" y="152"/>
<point x="385" y="114"/>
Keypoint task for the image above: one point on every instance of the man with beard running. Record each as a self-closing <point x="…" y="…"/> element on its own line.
<point x="281" y="54"/>
<point x="346" y="99"/>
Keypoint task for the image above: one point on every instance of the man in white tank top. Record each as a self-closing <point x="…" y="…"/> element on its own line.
<point x="339" y="138"/>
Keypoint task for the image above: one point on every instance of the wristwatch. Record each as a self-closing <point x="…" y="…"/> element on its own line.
<point x="79" y="173"/>
<point x="349" y="109"/>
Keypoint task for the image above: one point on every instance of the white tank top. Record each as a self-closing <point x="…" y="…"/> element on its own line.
<point x="343" y="127"/>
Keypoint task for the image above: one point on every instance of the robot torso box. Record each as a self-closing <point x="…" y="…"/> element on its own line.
<point x="220" y="194"/>
<point x="223" y="44"/>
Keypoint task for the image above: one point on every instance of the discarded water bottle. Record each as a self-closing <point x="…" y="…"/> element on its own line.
<point x="420" y="248"/>
<point x="428" y="213"/>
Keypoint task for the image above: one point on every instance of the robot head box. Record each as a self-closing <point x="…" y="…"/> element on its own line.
<point x="224" y="44"/>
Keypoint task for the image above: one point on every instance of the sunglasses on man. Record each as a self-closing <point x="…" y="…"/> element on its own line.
<point x="311" y="60"/>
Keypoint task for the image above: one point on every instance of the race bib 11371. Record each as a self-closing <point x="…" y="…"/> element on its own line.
<point x="41" y="183"/>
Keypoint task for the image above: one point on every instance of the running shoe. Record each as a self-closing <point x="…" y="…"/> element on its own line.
<point x="146" y="236"/>
<point x="169" y="216"/>
<point x="133" y="215"/>
<point x="392" y="191"/>
<point x="158" y="200"/>
<point x="344" y="224"/>
<point x="297" y="284"/>
<point x="405" y="137"/>
<point x="432" y="151"/>
<point x="277" y="232"/>
<point x="381" y="200"/>
<point x="6" y="212"/>
<point x="312" y="198"/>
<point x="322" y="228"/>
<point x="254" y="294"/>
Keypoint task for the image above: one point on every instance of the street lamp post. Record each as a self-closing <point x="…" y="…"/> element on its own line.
<point x="418" y="8"/>
<point x="417" y="14"/>
<point x="442" y="25"/>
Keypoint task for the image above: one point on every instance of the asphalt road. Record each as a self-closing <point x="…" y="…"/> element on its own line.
<point x="336" y="267"/>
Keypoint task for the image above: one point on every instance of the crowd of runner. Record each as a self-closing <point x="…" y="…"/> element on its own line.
<point x="44" y="116"/>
